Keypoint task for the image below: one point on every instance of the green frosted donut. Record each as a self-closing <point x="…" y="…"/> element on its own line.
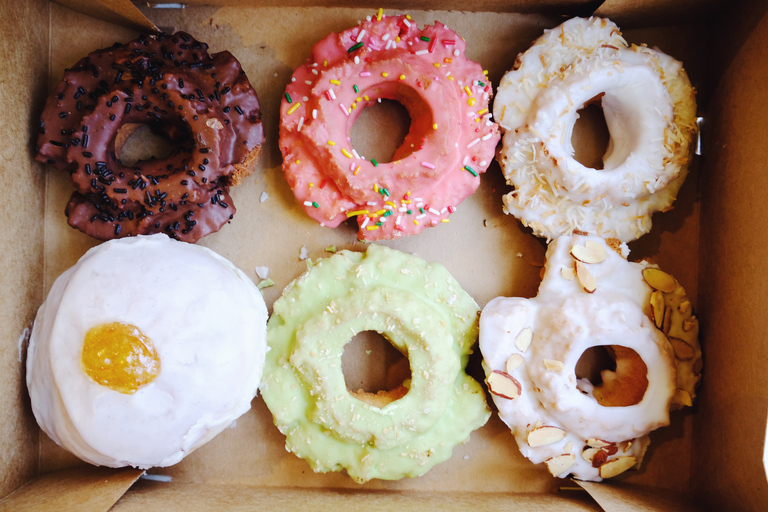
<point x="419" y="308"/>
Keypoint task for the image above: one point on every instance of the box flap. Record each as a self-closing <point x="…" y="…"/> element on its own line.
<point x="149" y="495"/>
<point x="619" y="496"/>
<point x="565" y="7"/>
<point x="85" y="488"/>
<point x="633" y="13"/>
<point x="122" y="12"/>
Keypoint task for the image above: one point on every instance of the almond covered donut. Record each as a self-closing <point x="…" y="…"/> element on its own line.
<point x="451" y="139"/>
<point x="424" y="313"/>
<point x="203" y="104"/>
<point x="649" y="107"/>
<point x="591" y="296"/>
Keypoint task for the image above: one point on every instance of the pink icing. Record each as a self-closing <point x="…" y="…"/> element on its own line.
<point x="451" y="139"/>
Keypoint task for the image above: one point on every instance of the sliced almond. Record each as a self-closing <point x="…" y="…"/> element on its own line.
<point x="683" y="351"/>
<point x="514" y="361"/>
<point x="504" y="385"/>
<point x="543" y="436"/>
<point x="683" y="397"/>
<point x="554" y="365"/>
<point x="617" y="466"/>
<point x="568" y="273"/>
<point x="689" y="323"/>
<point x="683" y="307"/>
<point x="586" y="279"/>
<point x="600" y="458"/>
<point x="589" y="453"/>
<point x="698" y="365"/>
<point x="657" y="308"/>
<point x="568" y="447"/>
<point x="523" y="339"/>
<point x="626" y="445"/>
<point x="659" y="280"/>
<point x="590" y="252"/>
<point x="560" y="464"/>
<point x="667" y="320"/>
<point x="597" y="443"/>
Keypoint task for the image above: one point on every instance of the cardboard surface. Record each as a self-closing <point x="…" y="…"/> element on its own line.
<point x="23" y="86"/>
<point x="85" y="489"/>
<point x="638" y="13"/>
<point x="121" y="12"/>
<point x="729" y="437"/>
<point x="489" y="253"/>
<point x="558" y="7"/>
<point x="480" y="245"/>
<point x="162" y="496"/>
<point x="617" y="496"/>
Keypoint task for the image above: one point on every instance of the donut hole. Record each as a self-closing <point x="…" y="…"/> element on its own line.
<point x="590" y="137"/>
<point x="615" y="376"/>
<point x="380" y="130"/>
<point x="374" y="370"/>
<point x="137" y="142"/>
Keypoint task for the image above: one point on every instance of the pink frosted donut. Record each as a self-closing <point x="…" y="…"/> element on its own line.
<point x="451" y="139"/>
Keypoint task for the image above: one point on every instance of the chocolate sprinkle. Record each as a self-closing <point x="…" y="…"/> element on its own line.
<point x="113" y="200"/>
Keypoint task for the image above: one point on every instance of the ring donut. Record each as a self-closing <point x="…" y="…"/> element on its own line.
<point x="591" y="296"/>
<point x="649" y="107"/>
<point x="203" y="103"/>
<point x="450" y="142"/>
<point x="129" y="362"/>
<point x="423" y="312"/>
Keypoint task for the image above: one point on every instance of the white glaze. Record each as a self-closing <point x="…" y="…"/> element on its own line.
<point x="649" y="108"/>
<point x="566" y="321"/>
<point x="207" y="322"/>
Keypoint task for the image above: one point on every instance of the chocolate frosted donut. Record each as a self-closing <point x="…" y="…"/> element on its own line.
<point x="203" y="104"/>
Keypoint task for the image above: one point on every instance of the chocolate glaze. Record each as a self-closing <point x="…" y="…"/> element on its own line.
<point x="204" y="104"/>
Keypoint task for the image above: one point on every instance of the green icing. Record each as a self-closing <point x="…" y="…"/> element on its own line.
<point x="421" y="309"/>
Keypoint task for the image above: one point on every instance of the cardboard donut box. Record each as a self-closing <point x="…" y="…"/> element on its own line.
<point x="711" y="457"/>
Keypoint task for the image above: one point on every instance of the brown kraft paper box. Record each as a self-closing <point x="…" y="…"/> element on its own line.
<point x="713" y="241"/>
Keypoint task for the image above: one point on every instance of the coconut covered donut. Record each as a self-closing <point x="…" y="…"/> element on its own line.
<point x="591" y="296"/>
<point x="145" y="350"/>
<point x="423" y="312"/>
<point x="649" y="107"/>
<point x="450" y="142"/>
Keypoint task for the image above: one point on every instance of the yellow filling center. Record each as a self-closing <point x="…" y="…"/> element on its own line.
<point x="120" y="357"/>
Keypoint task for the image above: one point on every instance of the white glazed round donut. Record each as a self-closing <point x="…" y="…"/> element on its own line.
<point x="649" y="107"/>
<point x="531" y="347"/>
<point x="206" y="321"/>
